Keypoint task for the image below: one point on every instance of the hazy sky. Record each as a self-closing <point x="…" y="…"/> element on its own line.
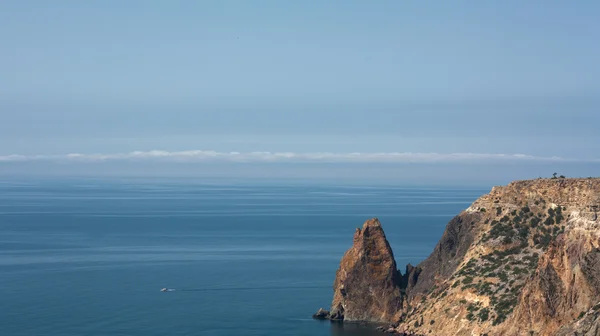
<point x="197" y="80"/>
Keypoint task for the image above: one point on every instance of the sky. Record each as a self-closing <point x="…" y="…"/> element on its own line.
<point x="394" y="90"/>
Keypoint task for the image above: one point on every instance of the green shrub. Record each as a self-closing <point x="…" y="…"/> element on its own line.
<point x="518" y="271"/>
<point x="534" y="221"/>
<point x="532" y="260"/>
<point x="501" y="230"/>
<point x="484" y="314"/>
<point x="523" y="232"/>
<point x="544" y="240"/>
<point x="485" y="288"/>
<point x="499" y="319"/>
<point x="504" y="307"/>
<point x="505" y="253"/>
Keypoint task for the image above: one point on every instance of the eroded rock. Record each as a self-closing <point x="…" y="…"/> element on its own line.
<point x="522" y="260"/>
<point x="587" y="325"/>
<point x="367" y="286"/>
<point x="322" y="314"/>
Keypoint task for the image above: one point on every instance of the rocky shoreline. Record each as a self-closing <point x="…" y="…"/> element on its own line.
<point x="323" y="314"/>
<point x="522" y="260"/>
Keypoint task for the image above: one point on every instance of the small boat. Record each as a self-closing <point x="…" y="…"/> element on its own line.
<point x="164" y="290"/>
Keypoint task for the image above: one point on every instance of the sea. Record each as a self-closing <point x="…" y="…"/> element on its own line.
<point x="89" y="256"/>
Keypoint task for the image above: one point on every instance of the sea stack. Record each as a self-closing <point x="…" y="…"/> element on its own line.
<point x="367" y="284"/>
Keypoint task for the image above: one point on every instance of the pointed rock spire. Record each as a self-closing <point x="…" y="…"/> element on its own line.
<point x="367" y="284"/>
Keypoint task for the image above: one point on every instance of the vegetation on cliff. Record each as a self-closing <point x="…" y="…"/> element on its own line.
<point x="521" y="260"/>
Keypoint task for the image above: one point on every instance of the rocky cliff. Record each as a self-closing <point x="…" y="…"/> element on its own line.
<point x="367" y="284"/>
<point x="587" y="324"/>
<point x="521" y="260"/>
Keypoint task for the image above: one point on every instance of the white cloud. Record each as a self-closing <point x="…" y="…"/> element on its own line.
<point x="208" y="156"/>
<point x="12" y="158"/>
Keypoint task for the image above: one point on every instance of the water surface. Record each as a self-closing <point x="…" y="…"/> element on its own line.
<point x="89" y="256"/>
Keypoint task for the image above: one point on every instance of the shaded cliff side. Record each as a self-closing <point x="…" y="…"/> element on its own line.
<point x="521" y="260"/>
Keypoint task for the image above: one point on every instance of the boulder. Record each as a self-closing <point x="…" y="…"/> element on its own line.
<point x="321" y="314"/>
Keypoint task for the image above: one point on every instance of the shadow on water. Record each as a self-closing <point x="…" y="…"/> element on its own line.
<point x="354" y="329"/>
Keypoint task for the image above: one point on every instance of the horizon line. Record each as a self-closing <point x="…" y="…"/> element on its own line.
<point x="276" y="157"/>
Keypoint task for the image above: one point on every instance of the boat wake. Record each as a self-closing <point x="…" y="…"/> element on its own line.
<point x="240" y="288"/>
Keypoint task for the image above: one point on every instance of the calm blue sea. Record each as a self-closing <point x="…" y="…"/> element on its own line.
<point x="89" y="256"/>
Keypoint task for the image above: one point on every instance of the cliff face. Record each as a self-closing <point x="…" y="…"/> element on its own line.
<point x="532" y="263"/>
<point x="587" y="325"/>
<point x="367" y="284"/>
<point x="566" y="282"/>
<point x="521" y="260"/>
<point x="447" y="255"/>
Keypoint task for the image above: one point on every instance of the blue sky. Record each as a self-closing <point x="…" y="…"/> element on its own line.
<point x="106" y="78"/>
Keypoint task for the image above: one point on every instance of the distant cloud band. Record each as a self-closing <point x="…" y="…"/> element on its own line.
<point x="325" y="157"/>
